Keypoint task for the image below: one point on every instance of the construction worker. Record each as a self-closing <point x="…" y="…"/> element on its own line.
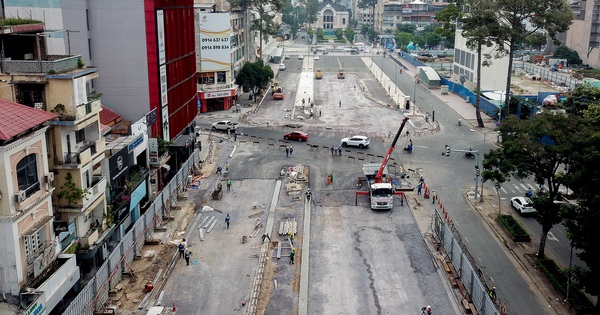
<point x="292" y="254"/>
<point x="266" y="235"/>
<point x="308" y="194"/>
<point x="493" y="293"/>
<point x="291" y="236"/>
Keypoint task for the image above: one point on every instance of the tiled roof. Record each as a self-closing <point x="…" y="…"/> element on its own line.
<point x="17" y="118"/>
<point x="335" y="6"/>
<point x="109" y="117"/>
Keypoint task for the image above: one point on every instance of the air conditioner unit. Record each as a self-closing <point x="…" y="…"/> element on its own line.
<point x="20" y="196"/>
<point x="49" y="178"/>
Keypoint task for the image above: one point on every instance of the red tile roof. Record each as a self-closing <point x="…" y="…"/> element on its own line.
<point x="109" y="117"/>
<point x="17" y="118"/>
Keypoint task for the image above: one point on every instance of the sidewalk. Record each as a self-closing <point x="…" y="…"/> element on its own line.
<point x="523" y="253"/>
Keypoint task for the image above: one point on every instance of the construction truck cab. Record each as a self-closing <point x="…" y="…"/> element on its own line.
<point x="340" y="74"/>
<point x="382" y="196"/>
<point x="319" y="74"/>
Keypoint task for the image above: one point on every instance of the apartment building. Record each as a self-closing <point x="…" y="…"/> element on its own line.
<point x="145" y="49"/>
<point x="583" y="35"/>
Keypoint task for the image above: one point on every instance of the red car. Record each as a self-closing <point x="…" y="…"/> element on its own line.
<point x="296" y="135"/>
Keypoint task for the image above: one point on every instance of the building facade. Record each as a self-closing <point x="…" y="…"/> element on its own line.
<point x="145" y="49"/>
<point x="32" y="268"/>
<point x="493" y="77"/>
<point x="331" y="16"/>
<point x="583" y="35"/>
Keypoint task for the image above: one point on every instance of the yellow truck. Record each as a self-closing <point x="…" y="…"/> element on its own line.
<point x="319" y="74"/>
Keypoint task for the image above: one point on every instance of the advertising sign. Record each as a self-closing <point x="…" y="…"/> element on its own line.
<point x="215" y="52"/>
<point x="165" y="123"/>
<point x="217" y="94"/>
<point x="160" y="30"/>
<point x="164" y="100"/>
<point x="118" y="163"/>
<point x="153" y="150"/>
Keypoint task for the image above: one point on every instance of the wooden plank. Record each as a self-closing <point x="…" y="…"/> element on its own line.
<point x="279" y="250"/>
<point x="466" y="306"/>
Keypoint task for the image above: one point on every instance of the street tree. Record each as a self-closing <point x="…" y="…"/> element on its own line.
<point x="320" y="33"/>
<point x="552" y="17"/>
<point x="255" y="75"/>
<point x="339" y="33"/>
<point x="350" y="34"/>
<point x="312" y="6"/>
<point x="265" y="12"/>
<point x="480" y="28"/>
<point x="564" y="52"/>
<point x="496" y="170"/>
<point x="536" y="40"/>
<point x="581" y="98"/>
<point x="539" y="147"/>
<point x="583" y="220"/>
<point x="406" y="28"/>
<point x="403" y="39"/>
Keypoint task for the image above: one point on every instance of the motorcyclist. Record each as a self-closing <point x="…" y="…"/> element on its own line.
<point x="529" y="193"/>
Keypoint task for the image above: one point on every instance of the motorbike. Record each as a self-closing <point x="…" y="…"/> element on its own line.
<point x="408" y="150"/>
<point x="469" y="155"/>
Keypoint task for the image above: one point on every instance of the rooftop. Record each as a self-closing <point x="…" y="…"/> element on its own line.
<point x="17" y="119"/>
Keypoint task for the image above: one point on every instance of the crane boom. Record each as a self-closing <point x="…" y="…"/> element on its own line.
<point x="389" y="153"/>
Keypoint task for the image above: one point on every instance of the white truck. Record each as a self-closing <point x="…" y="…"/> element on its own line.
<point x="225" y="125"/>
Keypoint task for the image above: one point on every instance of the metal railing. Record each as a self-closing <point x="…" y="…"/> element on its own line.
<point x="462" y="261"/>
<point x="95" y="293"/>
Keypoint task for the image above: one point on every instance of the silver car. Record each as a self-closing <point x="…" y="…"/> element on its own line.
<point x="356" y="141"/>
<point x="523" y="204"/>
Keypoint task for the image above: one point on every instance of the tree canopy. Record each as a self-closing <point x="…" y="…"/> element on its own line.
<point x="255" y="75"/>
<point x="539" y="147"/>
<point x="564" y="52"/>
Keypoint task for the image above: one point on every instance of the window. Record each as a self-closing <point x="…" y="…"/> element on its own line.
<point x="33" y="243"/>
<point x="221" y="77"/>
<point x="27" y="175"/>
<point x="79" y="135"/>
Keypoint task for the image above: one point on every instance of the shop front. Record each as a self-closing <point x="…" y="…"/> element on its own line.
<point x="211" y="101"/>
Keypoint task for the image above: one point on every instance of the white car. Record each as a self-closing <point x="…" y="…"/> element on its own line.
<point x="225" y="125"/>
<point x="356" y="141"/>
<point x="316" y="57"/>
<point x="300" y="57"/>
<point x="523" y="204"/>
<point x="282" y="66"/>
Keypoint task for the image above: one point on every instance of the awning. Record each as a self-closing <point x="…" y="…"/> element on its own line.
<point x="38" y="225"/>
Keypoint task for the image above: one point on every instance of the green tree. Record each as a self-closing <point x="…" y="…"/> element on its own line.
<point x="350" y="34"/>
<point x="255" y="75"/>
<point x="353" y="23"/>
<point x="310" y="31"/>
<point x="432" y="40"/>
<point x="339" y="33"/>
<point x="539" y="147"/>
<point x="582" y="221"/>
<point x="536" y="40"/>
<point x="553" y="17"/>
<point x="403" y="38"/>
<point x="581" y="98"/>
<point x="406" y="28"/>
<point x="320" y="33"/>
<point x="312" y="6"/>
<point x="265" y="23"/>
<point x="564" y="52"/>
<point x="288" y="17"/>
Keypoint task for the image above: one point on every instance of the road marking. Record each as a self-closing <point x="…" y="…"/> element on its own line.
<point x="503" y="190"/>
<point x="552" y="237"/>
<point x="524" y="186"/>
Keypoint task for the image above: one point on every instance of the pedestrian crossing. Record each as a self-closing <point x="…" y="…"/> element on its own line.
<point x="518" y="189"/>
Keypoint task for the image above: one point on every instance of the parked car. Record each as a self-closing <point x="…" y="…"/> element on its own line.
<point x="296" y="135"/>
<point x="281" y="66"/>
<point x="225" y="125"/>
<point x="523" y="204"/>
<point x="356" y="141"/>
<point x="301" y="57"/>
<point x="316" y="57"/>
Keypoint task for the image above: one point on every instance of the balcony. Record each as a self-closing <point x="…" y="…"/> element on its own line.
<point x="86" y="151"/>
<point x="89" y="238"/>
<point x="59" y="279"/>
<point x="52" y="64"/>
<point x="98" y="188"/>
<point x="93" y="192"/>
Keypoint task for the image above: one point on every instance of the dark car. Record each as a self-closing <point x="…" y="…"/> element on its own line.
<point x="296" y="135"/>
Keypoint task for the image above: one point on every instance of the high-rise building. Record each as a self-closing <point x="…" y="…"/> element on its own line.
<point x="144" y="49"/>
<point x="583" y="35"/>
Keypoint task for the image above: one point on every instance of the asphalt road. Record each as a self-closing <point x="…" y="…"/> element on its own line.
<point x="447" y="175"/>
